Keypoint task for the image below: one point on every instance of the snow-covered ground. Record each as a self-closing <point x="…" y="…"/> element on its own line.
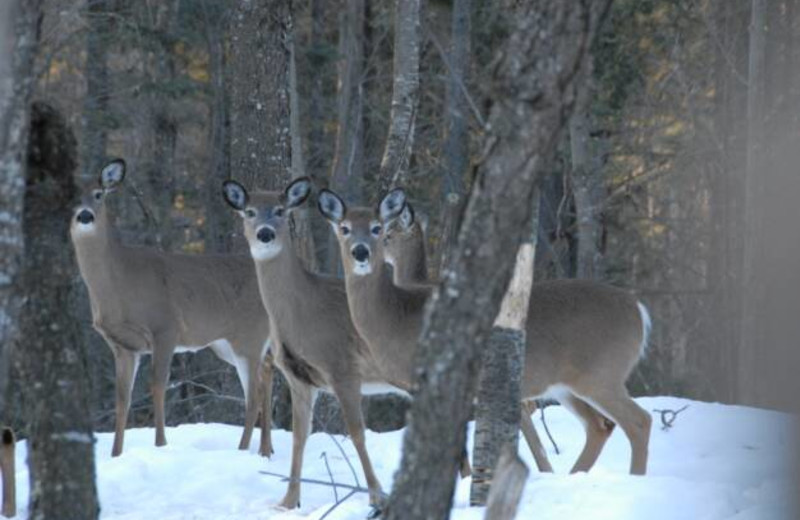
<point x="717" y="462"/>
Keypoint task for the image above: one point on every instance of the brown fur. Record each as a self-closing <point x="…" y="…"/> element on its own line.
<point x="583" y="339"/>
<point x="145" y="301"/>
<point x="315" y="342"/>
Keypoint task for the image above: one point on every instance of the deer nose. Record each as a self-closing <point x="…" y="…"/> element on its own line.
<point x="360" y="253"/>
<point x="265" y="235"/>
<point x="85" y="217"/>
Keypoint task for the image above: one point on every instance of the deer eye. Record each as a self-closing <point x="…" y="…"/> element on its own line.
<point x="345" y="230"/>
<point x="97" y="194"/>
<point x="278" y="211"/>
<point x="249" y="213"/>
<point x="376" y="230"/>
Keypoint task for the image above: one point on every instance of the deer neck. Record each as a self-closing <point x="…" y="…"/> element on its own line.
<point x="284" y="282"/>
<point x="387" y="317"/>
<point x="411" y="266"/>
<point x="99" y="256"/>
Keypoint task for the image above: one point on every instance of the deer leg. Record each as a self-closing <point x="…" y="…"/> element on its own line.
<point x="617" y="405"/>
<point x="598" y="430"/>
<point x="302" y="410"/>
<point x="126" y="363"/>
<point x="350" y="400"/>
<point x="265" y="449"/>
<point x="7" y="465"/>
<point x="249" y="377"/>
<point x="532" y="438"/>
<point x="162" y="357"/>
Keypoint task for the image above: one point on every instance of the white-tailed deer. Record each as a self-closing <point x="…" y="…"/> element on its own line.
<point x="583" y="338"/>
<point x="7" y="466"/>
<point x="315" y="344"/>
<point x="145" y="301"/>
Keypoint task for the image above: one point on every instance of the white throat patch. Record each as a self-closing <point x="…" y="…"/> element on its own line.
<point x="361" y="268"/>
<point x="262" y="251"/>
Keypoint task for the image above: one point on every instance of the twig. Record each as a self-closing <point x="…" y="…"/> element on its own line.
<point x="337" y="504"/>
<point x="668" y="417"/>
<point x="324" y="457"/>
<point x="549" y="436"/>
<point x="346" y="459"/>
<point x="284" y="478"/>
<point x="443" y="54"/>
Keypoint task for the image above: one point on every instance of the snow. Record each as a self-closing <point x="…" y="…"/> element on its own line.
<point x="717" y="462"/>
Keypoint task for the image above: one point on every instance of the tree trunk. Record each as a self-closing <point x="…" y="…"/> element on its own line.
<point x="20" y="26"/>
<point x="509" y="482"/>
<point x="499" y="384"/>
<point x="588" y="190"/>
<point x="348" y="163"/>
<point x="51" y="359"/>
<point x="456" y="144"/>
<point x="95" y="106"/>
<point x="219" y="219"/>
<point x="405" y="94"/>
<point x="536" y="78"/>
<point x="720" y="361"/>
<point x="754" y="299"/>
<point x="258" y="77"/>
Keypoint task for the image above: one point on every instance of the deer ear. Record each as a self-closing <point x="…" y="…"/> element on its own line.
<point x="235" y="195"/>
<point x="392" y="205"/>
<point x="297" y="192"/>
<point x="331" y="206"/>
<point x="112" y="174"/>
<point x="406" y="218"/>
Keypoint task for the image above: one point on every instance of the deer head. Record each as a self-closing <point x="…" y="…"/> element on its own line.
<point x="90" y="217"/>
<point x="265" y="215"/>
<point x="360" y="231"/>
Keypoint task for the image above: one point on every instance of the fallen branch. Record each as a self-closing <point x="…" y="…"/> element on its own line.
<point x="668" y="417"/>
<point x="549" y="435"/>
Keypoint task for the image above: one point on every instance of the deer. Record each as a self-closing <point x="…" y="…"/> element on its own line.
<point x="148" y="302"/>
<point x="583" y="338"/>
<point x="315" y="344"/>
<point x="7" y="467"/>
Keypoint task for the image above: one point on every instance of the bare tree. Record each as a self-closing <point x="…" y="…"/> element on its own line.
<point x="50" y="356"/>
<point x="536" y="77"/>
<point x="20" y="26"/>
<point x="754" y="299"/>
<point x="456" y="144"/>
<point x="405" y="93"/>
<point x="95" y="106"/>
<point x="219" y="221"/>
<point x="588" y="190"/>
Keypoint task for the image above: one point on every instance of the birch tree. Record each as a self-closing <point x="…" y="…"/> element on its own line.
<point x="405" y="93"/>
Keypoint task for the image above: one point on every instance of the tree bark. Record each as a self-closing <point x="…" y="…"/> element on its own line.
<point x="754" y="299"/>
<point x="456" y="144"/>
<point x="95" y="106"/>
<point x="348" y="164"/>
<point x="510" y="477"/>
<point x="51" y="358"/>
<point x="499" y="384"/>
<point x="535" y="78"/>
<point x="258" y="76"/>
<point x="219" y="219"/>
<point x="405" y="94"/>
<point x="20" y="26"/>
<point x="587" y="188"/>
